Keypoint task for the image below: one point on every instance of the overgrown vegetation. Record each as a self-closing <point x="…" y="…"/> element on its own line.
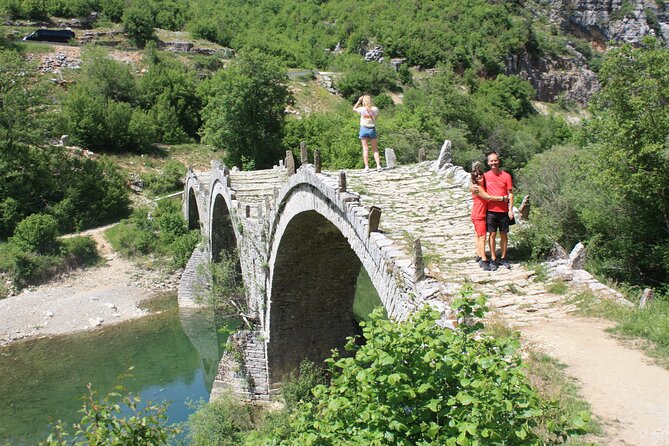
<point x="35" y="253"/>
<point x="159" y="232"/>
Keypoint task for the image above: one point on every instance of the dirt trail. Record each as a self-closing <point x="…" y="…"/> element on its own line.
<point x="628" y="393"/>
<point x="84" y="299"/>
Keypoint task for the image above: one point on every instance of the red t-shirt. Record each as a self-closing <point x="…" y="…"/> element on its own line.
<point x="500" y="184"/>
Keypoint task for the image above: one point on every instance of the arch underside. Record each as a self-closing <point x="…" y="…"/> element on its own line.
<point x="222" y="233"/>
<point x="313" y="288"/>
<point x="193" y="212"/>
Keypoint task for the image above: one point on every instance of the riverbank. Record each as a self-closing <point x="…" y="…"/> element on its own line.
<point x="83" y="299"/>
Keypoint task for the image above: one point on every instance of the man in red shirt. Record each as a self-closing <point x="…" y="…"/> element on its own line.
<point x="498" y="182"/>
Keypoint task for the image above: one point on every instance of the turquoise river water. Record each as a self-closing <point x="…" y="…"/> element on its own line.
<point x="174" y="355"/>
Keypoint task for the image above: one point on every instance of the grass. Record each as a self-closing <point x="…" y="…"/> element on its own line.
<point x="311" y="97"/>
<point x="649" y="324"/>
<point x="549" y="378"/>
<point x="557" y="287"/>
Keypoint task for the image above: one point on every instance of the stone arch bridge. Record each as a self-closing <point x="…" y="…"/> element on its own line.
<point x="303" y="237"/>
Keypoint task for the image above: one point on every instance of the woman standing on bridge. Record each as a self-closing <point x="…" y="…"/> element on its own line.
<point x="368" y="114"/>
<point x="479" y="211"/>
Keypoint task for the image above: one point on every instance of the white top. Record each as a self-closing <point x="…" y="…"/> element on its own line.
<point x="367" y="117"/>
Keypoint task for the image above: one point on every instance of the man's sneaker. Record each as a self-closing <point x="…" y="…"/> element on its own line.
<point x="477" y="259"/>
<point x="484" y="265"/>
<point x="366" y="169"/>
<point x="491" y="265"/>
<point x="505" y="263"/>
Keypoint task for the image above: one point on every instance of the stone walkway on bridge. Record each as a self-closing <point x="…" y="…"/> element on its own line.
<point x="419" y="202"/>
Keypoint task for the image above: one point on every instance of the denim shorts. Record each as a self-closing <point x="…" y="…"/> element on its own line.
<point x="367" y="132"/>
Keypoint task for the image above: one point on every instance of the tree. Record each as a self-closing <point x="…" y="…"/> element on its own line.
<point x="628" y="136"/>
<point x="138" y="23"/>
<point x="21" y="100"/>
<point x="245" y="112"/>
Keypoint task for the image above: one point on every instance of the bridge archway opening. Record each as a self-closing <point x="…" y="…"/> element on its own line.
<point x="313" y="289"/>
<point x="223" y="239"/>
<point x="193" y="212"/>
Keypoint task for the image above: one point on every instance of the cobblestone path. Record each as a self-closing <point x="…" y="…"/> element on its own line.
<point x="418" y="202"/>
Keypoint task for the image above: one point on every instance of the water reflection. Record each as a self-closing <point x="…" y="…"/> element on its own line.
<point x="174" y="355"/>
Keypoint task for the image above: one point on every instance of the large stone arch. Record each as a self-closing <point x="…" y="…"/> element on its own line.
<point x="319" y="240"/>
<point x="314" y="277"/>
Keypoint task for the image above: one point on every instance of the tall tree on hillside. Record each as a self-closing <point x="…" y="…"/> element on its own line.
<point x="628" y="135"/>
<point x="244" y="115"/>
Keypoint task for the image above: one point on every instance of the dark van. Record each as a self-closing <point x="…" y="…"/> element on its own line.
<point x="51" y="35"/>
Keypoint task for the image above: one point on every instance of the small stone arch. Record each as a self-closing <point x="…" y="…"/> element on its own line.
<point x="193" y="212"/>
<point x="222" y="236"/>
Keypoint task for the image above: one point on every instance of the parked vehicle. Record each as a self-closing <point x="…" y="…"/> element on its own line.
<point x="51" y="35"/>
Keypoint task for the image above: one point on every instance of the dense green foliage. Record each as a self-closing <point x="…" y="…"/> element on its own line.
<point x="610" y="190"/>
<point x="160" y="231"/>
<point x="467" y="34"/>
<point x="110" y="109"/>
<point x="245" y="107"/>
<point x="35" y="253"/>
<point x="220" y="422"/>
<point x="416" y="383"/>
<point x="115" y="420"/>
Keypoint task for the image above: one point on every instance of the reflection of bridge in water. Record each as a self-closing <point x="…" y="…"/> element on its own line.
<point x="303" y="238"/>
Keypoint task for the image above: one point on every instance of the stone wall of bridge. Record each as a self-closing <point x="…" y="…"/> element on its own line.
<point x="301" y="249"/>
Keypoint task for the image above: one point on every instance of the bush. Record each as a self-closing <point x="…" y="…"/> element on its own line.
<point x="366" y="78"/>
<point x="138" y="23"/>
<point x="161" y="232"/>
<point x="297" y="389"/>
<point x="80" y="251"/>
<point x="221" y="422"/>
<point x="417" y="383"/>
<point x="116" y="420"/>
<point x="28" y="267"/>
<point x="169" y="179"/>
<point x="383" y="101"/>
<point x="37" y="233"/>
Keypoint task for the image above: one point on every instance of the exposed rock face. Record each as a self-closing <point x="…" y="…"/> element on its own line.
<point x="616" y="20"/>
<point x="553" y="77"/>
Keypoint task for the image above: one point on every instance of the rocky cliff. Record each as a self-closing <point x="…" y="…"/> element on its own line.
<point x="556" y="76"/>
<point x="603" y="21"/>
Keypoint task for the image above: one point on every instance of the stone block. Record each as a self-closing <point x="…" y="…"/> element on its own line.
<point x="445" y="155"/>
<point x="391" y="160"/>
<point x="577" y="256"/>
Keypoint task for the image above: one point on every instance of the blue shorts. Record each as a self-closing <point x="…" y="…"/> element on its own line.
<point x="367" y="132"/>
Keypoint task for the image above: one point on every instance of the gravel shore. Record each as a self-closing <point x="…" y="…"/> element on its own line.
<point x="83" y="299"/>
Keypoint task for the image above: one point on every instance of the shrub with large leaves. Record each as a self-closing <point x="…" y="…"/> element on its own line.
<point x="416" y="383"/>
